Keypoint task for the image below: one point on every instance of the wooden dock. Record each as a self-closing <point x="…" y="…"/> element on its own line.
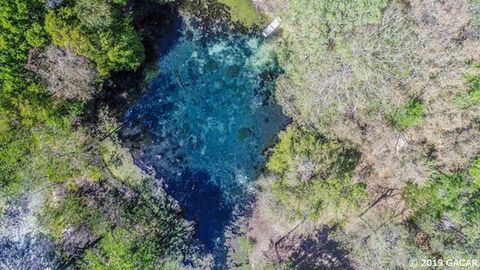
<point x="272" y="27"/>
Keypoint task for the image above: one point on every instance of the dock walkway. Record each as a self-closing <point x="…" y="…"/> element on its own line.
<point x="272" y="27"/>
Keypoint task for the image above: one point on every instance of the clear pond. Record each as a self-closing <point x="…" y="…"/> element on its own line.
<point x="209" y="115"/>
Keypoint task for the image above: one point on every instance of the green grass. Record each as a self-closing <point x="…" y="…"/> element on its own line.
<point x="245" y="12"/>
<point x="471" y="98"/>
<point x="409" y="115"/>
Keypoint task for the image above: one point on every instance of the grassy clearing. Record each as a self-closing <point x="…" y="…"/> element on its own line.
<point x="245" y="12"/>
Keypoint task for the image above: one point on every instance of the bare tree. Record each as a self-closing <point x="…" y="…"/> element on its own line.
<point x="416" y="49"/>
<point x="68" y="76"/>
<point x="378" y="242"/>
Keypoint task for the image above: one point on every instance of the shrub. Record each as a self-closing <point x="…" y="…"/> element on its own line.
<point x="409" y="115"/>
<point x="121" y="249"/>
<point x="472" y="97"/>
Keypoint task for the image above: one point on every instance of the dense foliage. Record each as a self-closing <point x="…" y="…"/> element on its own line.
<point x="447" y="214"/>
<point x="27" y="109"/>
<point x="395" y="91"/>
<point x="21" y="98"/>
<point x="119" y="251"/>
<point x="314" y="176"/>
<point x="383" y="150"/>
<point x="99" y="31"/>
<point x="50" y="55"/>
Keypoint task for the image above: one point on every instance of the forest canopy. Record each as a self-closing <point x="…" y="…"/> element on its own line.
<point x="379" y="165"/>
<point x="388" y="90"/>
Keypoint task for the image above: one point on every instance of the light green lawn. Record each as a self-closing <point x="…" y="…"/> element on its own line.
<point x="245" y="12"/>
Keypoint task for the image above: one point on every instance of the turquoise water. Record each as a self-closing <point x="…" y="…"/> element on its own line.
<point x="209" y="114"/>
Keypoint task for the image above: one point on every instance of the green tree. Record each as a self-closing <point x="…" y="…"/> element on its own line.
<point x="113" y="46"/>
<point x="96" y="15"/>
<point x="24" y="103"/>
<point x="121" y="249"/>
<point x="20" y="29"/>
<point x="313" y="176"/>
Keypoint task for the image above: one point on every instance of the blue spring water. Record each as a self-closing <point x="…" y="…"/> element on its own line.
<point x="209" y="114"/>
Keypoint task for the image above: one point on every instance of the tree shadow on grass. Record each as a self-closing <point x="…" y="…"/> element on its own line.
<point x="320" y="252"/>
